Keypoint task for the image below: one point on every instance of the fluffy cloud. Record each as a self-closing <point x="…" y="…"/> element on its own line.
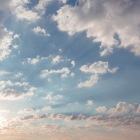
<point x="101" y="109"/>
<point x="51" y="97"/>
<point x="5" y="41"/>
<point x="26" y="110"/>
<point x="9" y="83"/>
<point x="123" y="107"/>
<point x="90" y="102"/>
<point x="75" y="118"/>
<point x="73" y="63"/>
<point x="124" y="123"/>
<point x="34" y="60"/>
<point x="96" y="68"/>
<point x="64" y="71"/>
<point x="99" y="67"/>
<point x="56" y="59"/>
<point x="89" y="83"/>
<point x="41" y="6"/>
<point x="114" y="17"/>
<point x="11" y="94"/>
<point x="63" y="1"/>
<point x="39" y="31"/>
<point x="41" y="117"/>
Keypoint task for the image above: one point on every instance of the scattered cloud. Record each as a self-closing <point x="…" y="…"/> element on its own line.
<point x="26" y="110"/>
<point x="41" y="6"/>
<point x="90" y="102"/>
<point x="73" y="63"/>
<point x="16" y="36"/>
<point x="101" y="109"/>
<point x="89" y="83"/>
<point x="11" y="94"/>
<point x="39" y="31"/>
<point x="56" y="59"/>
<point x="86" y="16"/>
<point x="99" y="67"/>
<point x="34" y="60"/>
<point x="96" y="68"/>
<point x="51" y="97"/>
<point x="64" y="71"/>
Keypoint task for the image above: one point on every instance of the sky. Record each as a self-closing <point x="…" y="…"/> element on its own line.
<point x="69" y="69"/>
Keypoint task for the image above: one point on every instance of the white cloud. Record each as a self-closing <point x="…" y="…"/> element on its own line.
<point x="63" y="1"/>
<point x="96" y="68"/>
<point x="114" y="17"/>
<point x="26" y="110"/>
<point x="122" y="107"/>
<point x="16" y="36"/>
<point x="40" y="31"/>
<point x="51" y="97"/>
<point x="15" y="46"/>
<point x="11" y="94"/>
<point x="34" y="60"/>
<point x="9" y="83"/>
<point x="41" y="6"/>
<point x="99" y="67"/>
<point x="56" y="59"/>
<point x="90" y="102"/>
<point x="72" y="74"/>
<point x="75" y="118"/>
<point x="101" y="109"/>
<point x="89" y="83"/>
<point x="73" y="63"/>
<point x="47" y="108"/>
<point x="64" y="71"/>
<point x="5" y="41"/>
<point x="25" y="14"/>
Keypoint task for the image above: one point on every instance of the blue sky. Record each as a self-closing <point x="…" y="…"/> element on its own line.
<point x="69" y="69"/>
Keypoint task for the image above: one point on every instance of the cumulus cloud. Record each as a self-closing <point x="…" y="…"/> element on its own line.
<point x="90" y="102"/>
<point x="9" y="83"/>
<point x="26" y="110"/>
<point x="56" y="59"/>
<point x="51" y="97"/>
<point x="114" y="17"/>
<point x="96" y="68"/>
<point x="64" y="71"/>
<point x="123" y="107"/>
<point x="41" y="117"/>
<point x="63" y="1"/>
<point x="11" y="94"/>
<point x="41" y="6"/>
<point x="101" y="109"/>
<point x="39" y="31"/>
<point x="16" y="36"/>
<point x="5" y="41"/>
<point x="99" y="67"/>
<point x="89" y="83"/>
<point x="73" y="63"/>
<point x="22" y="12"/>
<point x="34" y="60"/>
<point x="124" y="123"/>
<point x="75" y="118"/>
